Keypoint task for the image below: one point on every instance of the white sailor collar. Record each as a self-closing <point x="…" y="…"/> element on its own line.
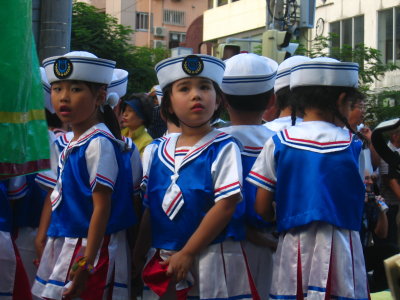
<point x="316" y="136"/>
<point x="166" y="149"/>
<point x="251" y="137"/>
<point x="99" y="128"/>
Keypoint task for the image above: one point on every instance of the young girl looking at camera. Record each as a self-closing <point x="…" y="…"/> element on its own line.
<point x="91" y="205"/>
<point x="192" y="187"/>
<point x="311" y="171"/>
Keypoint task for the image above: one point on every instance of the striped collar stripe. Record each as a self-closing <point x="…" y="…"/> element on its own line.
<point x="285" y="135"/>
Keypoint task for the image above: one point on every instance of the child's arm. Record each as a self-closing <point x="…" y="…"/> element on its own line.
<point x="263" y="204"/>
<point x="97" y="228"/>
<point x="41" y="235"/>
<point x="142" y="244"/>
<point x="212" y="224"/>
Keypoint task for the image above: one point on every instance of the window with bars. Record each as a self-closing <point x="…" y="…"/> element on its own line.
<point x="173" y="17"/>
<point x="389" y="34"/>
<point x="175" y="38"/>
<point x="142" y="21"/>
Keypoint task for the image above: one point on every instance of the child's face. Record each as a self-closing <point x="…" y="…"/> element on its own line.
<point x="75" y="103"/>
<point x="193" y="100"/>
<point x="130" y="119"/>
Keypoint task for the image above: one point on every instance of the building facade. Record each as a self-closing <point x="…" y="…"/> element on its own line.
<point x="157" y="23"/>
<point x="376" y="23"/>
<point x="229" y="21"/>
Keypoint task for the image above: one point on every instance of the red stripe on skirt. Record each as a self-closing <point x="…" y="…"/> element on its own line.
<point x="22" y="287"/>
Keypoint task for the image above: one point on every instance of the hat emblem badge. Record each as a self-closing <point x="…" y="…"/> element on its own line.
<point x="192" y="65"/>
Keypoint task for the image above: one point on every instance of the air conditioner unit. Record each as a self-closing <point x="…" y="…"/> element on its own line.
<point x="160" y="31"/>
<point x="159" y="44"/>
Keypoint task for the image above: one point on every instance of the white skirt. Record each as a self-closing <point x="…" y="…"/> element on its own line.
<point x="26" y="246"/>
<point x="219" y="272"/>
<point x="327" y="262"/>
<point x="112" y="268"/>
<point x="14" y="283"/>
<point x="260" y="261"/>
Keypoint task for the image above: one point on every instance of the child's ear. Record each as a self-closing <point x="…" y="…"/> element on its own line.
<point x="343" y="104"/>
<point x="101" y="96"/>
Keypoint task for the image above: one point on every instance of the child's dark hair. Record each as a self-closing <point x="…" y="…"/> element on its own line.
<point x="249" y="103"/>
<point x="283" y="98"/>
<point x="146" y="105"/>
<point x="108" y="116"/>
<point x="323" y="98"/>
<point x="166" y="104"/>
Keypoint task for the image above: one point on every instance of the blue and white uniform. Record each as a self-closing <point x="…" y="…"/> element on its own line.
<point x="13" y="278"/>
<point x="96" y="157"/>
<point x="183" y="186"/>
<point x="313" y="170"/>
<point x="260" y="259"/>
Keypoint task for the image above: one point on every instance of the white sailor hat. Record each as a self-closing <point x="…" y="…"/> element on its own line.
<point x="249" y="74"/>
<point x="46" y="91"/>
<point x="324" y="71"/>
<point x="159" y="93"/>
<point x="283" y="74"/>
<point x="117" y="88"/>
<point x="79" y="65"/>
<point x="198" y="65"/>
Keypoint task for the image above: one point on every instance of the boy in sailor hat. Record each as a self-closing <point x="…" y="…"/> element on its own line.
<point x="248" y="85"/>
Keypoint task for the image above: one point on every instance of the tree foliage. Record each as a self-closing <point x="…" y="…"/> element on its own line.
<point x="100" y="34"/>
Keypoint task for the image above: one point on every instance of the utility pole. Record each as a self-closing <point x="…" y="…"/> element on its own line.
<point x="55" y="28"/>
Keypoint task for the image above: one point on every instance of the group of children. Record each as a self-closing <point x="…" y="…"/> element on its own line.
<point x="212" y="199"/>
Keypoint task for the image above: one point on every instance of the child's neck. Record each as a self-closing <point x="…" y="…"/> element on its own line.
<point x="79" y="130"/>
<point x="245" y="118"/>
<point x="190" y="136"/>
<point x="312" y="114"/>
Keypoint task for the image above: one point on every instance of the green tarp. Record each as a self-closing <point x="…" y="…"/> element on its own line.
<point x="24" y="145"/>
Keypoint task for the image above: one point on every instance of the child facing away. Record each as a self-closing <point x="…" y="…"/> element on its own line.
<point x="284" y="99"/>
<point x="86" y="253"/>
<point x="191" y="192"/>
<point x="248" y="85"/>
<point x="311" y="170"/>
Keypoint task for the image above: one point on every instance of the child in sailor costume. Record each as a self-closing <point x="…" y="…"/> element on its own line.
<point x="86" y="253"/>
<point x="14" y="283"/>
<point x="192" y="176"/>
<point x="284" y="99"/>
<point x="248" y="86"/>
<point x="311" y="170"/>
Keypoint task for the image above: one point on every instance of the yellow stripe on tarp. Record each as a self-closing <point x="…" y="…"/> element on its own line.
<point x="22" y="117"/>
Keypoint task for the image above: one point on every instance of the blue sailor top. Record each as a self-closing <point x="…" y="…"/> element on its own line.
<point x="209" y="172"/>
<point x="96" y="157"/>
<point x="313" y="170"/>
<point x="252" y="139"/>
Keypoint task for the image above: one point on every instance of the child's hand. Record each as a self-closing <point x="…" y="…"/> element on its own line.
<point x="79" y="279"/>
<point x="179" y="265"/>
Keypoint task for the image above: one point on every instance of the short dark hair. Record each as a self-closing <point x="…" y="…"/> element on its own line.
<point x="283" y="98"/>
<point x="249" y="103"/>
<point x="166" y="104"/>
